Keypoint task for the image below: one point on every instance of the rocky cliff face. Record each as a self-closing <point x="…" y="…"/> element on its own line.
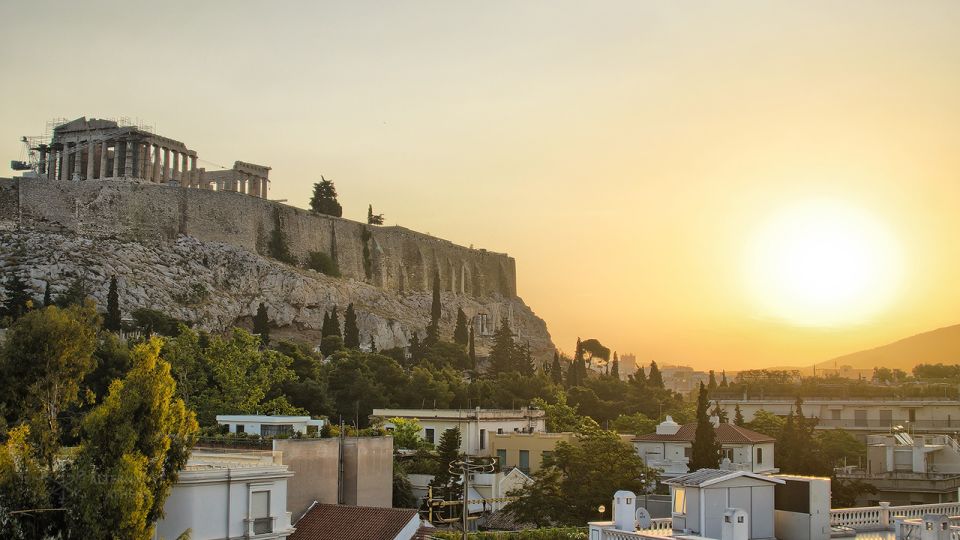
<point x="219" y="285"/>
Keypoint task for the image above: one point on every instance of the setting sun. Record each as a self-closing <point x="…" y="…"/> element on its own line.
<point x="823" y="264"/>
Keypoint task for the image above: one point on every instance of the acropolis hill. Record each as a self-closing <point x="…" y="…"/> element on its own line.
<point x="198" y="251"/>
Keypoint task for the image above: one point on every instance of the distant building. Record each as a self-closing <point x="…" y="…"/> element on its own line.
<point x="352" y="470"/>
<point x="525" y="451"/>
<point x="670" y="447"/>
<point x="234" y="494"/>
<point x="476" y="425"/>
<point x="269" y="426"/>
<point x="338" y="522"/>
<point x="628" y="366"/>
<point x="863" y="416"/>
<point x="908" y="469"/>
<point x="683" y="379"/>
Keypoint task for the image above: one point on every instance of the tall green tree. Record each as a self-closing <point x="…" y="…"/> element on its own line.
<point x="18" y="299"/>
<point x="141" y="436"/>
<point x="655" y="378"/>
<point x="433" y="329"/>
<point x="556" y="369"/>
<point x="503" y="354"/>
<point x="723" y="379"/>
<point x="112" y="320"/>
<point x="44" y="360"/>
<point x="373" y="219"/>
<point x="47" y="299"/>
<point x="712" y="384"/>
<point x="324" y="199"/>
<point x="580" y="477"/>
<point x="706" y="450"/>
<point x="615" y="369"/>
<point x="446" y="485"/>
<point x="261" y="324"/>
<point x="472" y="350"/>
<point x="331" y="325"/>
<point x="738" y="416"/>
<point x="460" y="334"/>
<point x="351" y="332"/>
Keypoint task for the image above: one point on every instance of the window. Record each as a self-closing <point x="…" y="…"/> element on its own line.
<point x="499" y="431"/>
<point x="860" y="418"/>
<point x="728" y="453"/>
<point x="428" y="436"/>
<point x="260" y="512"/>
<point x="276" y="430"/>
<point x="525" y="461"/>
<point x="835" y="414"/>
<point x="688" y="452"/>
<point x="679" y="501"/>
<point x="502" y="458"/>
<point x="886" y="417"/>
<point x="483" y="439"/>
<point x="240" y="428"/>
<point x="546" y="454"/>
<point x="759" y="456"/>
<point x="912" y="414"/>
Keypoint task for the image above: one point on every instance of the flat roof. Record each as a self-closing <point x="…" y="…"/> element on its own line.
<point x="264" y="418"/>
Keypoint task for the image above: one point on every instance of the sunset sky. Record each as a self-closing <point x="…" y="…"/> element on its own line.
<point x="660" y="170"/>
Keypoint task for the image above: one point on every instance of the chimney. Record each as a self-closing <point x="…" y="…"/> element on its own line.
<point x="625" y="511"/>
<point x="668" y="427"/>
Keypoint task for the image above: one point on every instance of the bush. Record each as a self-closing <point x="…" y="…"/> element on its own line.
<point x="323" y="263"/>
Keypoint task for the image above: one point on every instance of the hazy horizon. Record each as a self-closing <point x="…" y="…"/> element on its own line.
<point x="643" y="162"/>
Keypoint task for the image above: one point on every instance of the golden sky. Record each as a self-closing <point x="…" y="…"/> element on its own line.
<point x="628" y="154"/>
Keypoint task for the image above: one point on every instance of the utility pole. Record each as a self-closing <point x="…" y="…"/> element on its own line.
<point x="467" y="466"/>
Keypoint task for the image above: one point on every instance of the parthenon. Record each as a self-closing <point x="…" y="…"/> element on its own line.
<point x="98" y="149"/>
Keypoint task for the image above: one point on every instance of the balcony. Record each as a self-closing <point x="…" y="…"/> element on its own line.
<point x="258" y="526"/>
<point x="874" y="424"/>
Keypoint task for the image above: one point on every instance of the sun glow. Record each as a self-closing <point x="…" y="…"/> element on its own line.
<point x="823" y="264"/>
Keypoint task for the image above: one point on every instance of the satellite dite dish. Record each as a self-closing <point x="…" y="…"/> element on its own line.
<point x="643" y="518"/>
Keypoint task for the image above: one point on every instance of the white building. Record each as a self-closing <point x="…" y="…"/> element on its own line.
<point x="475" y="425"/>
<point x="670" y="447"/>
<point x="269" y="426"/>
<point x="861" y="415"/>
<point x="235" y="494"/>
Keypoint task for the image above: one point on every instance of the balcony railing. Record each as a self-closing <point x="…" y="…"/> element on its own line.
<point x="264" y="525"/>
<point x="948" y="424"/>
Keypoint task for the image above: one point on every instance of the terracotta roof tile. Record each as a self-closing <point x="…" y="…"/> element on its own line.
<point x="342" y="522"/>
<point x="726" y="434"/>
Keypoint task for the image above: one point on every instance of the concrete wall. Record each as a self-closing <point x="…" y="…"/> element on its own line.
<point x="368" y="471"/>
<point x="314" y="466"/>
<point x="534" y="443"/>
<point x="399" y="259"/>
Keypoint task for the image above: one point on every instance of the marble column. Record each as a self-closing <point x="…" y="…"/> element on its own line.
<point x="77" y="165"/>
<point x="263" y="188"/>
<point x="51" y="164"/>
<point x="65" y="162"/>
<point x="104" y="154"/>
<point x="165" y="176"/>
<point x="43" y="161"/>
<point x="194" y="175"/>
<point x="157" y="158"/>
<point x="91" y="159"/>
<point x="128" y="157"/>
<point x="116" y="159"/>
<point x="147" y="163"/>
<point x="175" y="170"/>
<point x="184" y="170"/>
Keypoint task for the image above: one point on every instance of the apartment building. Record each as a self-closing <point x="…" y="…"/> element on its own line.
<point x="476" y="425"/>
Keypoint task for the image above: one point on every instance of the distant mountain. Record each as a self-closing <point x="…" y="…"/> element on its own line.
<point x="937" y="346"/>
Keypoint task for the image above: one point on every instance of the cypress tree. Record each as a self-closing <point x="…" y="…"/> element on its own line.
<point x="351" y="332"/>
<point x="112" y="321"/>
<point x="326" y="325"/>
<point x="524" y="360"/>
<point x="738" y="416"/>
<point x="655" y="378"/>
<point x="47" y="300"/>
<point x="261" y="325"/>
<point x="706" y="451"/>
<point x="445" y="484"/>
<point x="712" y="385"/>
<point x="723" y="379"/>
<point x="460" y="333"/>
<point x="556" y="369"/>
<point x="639" y="378"/>
<point x="503" y="354"/>
<point x="433" y="329"/>
<point x="324" y="199"/>
<point x="615" y="370"/>
<point x="335" y="323"/>
<point x="785" y="447"/>
<point x="18" y="300"/>
<point x="373" y="344"/>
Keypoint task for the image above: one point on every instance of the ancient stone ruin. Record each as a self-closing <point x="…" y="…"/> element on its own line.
<point x="98" y="149"/>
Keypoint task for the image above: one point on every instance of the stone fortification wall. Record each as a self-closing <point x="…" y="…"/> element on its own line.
<point x="397" y="259"/>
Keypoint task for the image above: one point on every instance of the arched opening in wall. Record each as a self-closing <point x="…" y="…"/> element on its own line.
<point x="464" y="278"/>
<point x="412" y="262"/>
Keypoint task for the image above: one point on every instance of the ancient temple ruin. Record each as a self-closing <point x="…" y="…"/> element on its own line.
<point x="98" y="149"/>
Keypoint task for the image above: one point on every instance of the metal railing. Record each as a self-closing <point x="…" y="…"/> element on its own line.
<point x="874" y="518"/>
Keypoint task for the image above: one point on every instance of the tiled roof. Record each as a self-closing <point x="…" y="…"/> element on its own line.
<point x="726" y="434"/>
<point x="342" y="522"/>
